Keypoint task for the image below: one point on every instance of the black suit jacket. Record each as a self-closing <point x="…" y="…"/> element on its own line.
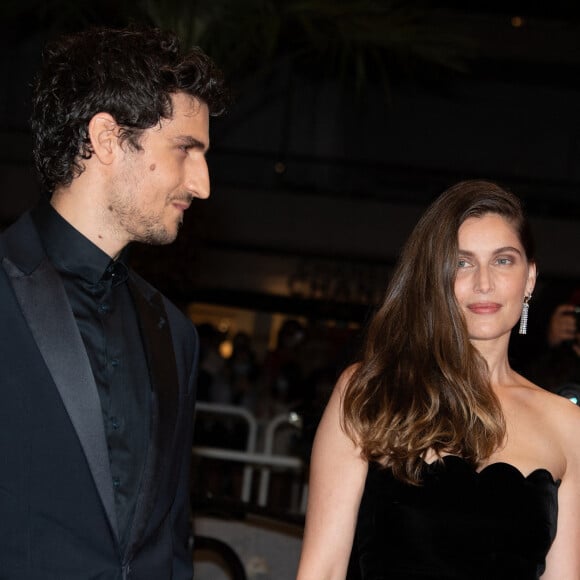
<point x="57" y="511"/>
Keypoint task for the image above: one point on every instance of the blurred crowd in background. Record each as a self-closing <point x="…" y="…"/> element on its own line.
<point x="297" y="376"/>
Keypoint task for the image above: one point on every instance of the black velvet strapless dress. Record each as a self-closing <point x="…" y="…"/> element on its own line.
<point x="460" y="524"/>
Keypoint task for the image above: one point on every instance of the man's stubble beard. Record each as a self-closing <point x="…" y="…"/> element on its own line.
<point x="131" y="222"/>
<point x="149" y="229"/>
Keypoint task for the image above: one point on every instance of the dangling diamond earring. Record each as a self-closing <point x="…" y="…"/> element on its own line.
<point x="524" y="317"/>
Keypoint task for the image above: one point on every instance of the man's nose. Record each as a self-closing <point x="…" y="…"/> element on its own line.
<point x="197" y="182"/>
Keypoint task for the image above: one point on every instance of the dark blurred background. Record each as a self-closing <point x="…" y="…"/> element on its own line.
<point x="348" y="118"/>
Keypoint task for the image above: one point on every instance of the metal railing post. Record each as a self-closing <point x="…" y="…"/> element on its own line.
<point x="215" y="408"/>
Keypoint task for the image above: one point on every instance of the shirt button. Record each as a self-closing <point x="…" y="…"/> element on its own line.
<point x="115" y="422"/>
<point x="116" y="482"/>
<point x="103" y="308"/>
<point x="114" y="362"/>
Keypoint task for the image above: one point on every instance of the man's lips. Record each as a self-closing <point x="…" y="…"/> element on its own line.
<point x="181" y="205"/>
<point x="484" y="307"/>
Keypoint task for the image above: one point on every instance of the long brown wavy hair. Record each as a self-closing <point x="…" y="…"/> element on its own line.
<point x="421" y="385"/>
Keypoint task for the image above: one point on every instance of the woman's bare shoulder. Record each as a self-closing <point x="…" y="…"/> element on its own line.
<point x="345" y="378"/>
<point x="543" y="429"/>
<point x="551" y="401"/>
<point x="560" y="413"/>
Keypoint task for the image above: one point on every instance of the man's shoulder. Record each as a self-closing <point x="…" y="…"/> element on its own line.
<point x="23" y="222"/>
<point x="2" y="245"/>
<point x="21" y="244"/>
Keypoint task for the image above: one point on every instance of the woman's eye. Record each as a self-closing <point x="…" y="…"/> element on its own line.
<point x="504" y="261"/>
<point x="462" y="263"/>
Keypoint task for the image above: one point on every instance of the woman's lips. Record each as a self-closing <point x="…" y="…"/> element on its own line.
<point x="484" y="307"/>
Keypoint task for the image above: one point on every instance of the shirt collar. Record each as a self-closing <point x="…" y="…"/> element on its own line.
<point x="71" y="251"/>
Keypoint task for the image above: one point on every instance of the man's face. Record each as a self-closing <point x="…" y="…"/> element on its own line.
<point x="154" y="186"/>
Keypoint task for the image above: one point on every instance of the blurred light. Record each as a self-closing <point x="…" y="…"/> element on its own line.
<point x="226" y="348"/>
<point x="517" y="21"/>
<point x="570" y="391"/>
<point x="279" y="167"/>
<point x="295" y="419"/>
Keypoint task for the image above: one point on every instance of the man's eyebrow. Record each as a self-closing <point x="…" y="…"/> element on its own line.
<point x="191" y="142"/>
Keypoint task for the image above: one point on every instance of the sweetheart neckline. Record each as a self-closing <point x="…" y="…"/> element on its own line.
<point x="495" y="464"/>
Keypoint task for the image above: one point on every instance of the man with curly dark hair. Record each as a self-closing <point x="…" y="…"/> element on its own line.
<point x="97" y="368"/>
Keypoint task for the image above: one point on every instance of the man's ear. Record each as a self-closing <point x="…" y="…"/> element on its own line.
<point x="104" y="137"/>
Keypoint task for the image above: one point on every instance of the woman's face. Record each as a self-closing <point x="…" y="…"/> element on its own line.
<point x="493" y="276"/>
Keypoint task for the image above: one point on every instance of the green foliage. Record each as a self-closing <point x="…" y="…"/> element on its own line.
<point x="354" y="40"/>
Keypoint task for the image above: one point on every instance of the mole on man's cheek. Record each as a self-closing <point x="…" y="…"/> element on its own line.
<point x="152" y="167"/>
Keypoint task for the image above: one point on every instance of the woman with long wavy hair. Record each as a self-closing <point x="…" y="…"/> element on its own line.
<point x="433" y="457"/>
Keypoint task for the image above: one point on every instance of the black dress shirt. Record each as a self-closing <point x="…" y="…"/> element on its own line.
<point x="101" y="302"/>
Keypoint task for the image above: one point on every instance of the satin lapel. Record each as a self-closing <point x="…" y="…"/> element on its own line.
<point x="164" y="400"/>
<point x="45" y="307"/>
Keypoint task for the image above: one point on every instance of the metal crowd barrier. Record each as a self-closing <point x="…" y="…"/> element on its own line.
<point x="251" y="457"/>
